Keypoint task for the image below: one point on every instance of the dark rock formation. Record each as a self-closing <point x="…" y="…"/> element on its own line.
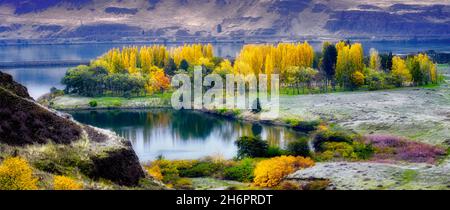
<point x="120" y="166"/>
<point x="7" y="82"/>
<point x="24" y="122"/>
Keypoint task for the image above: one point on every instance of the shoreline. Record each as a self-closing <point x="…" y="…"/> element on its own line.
<point x="347" y="172"/>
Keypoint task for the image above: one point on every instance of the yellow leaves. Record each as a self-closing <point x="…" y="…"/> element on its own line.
<point x="270" y="172"/>
<point x="16" y="174"/>
<point x="427" y="66"/>
<point x="132" y="69"/>
<point x="433" y="73"/>
<point x="133" y="59"/>
<point x="192" y="53"/>
<point x="340" y="45"/>
<point x="155" y="172"/>
<point x="251" y="59"/>
<point x="224" y="68"/>
<point x="268" y="59"/>
<point x="358" y="78"/>
<point x="375" y="60"/>
<point x="66" y="183"/>
<point x="357" y="56"/>
<point x="205" y="62"/>
<point x="322" y="128"/>
<point x="343" y="61"/>
<point x="350" y="60"/>
<point x="400" y="70"/>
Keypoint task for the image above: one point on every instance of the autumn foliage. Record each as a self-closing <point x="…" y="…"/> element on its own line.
<point x="349" y="64"/>
<point x="400" y="71"/>
<point x="270" y="172"/>
<point x="66" y="183"/>
<point x="268" y="58"/>
<point x="16" y="174"/>
<point x="144" y="70"/>
<point x="157" y="81"/>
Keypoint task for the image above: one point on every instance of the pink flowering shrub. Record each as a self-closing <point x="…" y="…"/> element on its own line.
<point x="401" y="149"/>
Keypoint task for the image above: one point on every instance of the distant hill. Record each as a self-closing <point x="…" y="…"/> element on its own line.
<point x="226" y="19"/>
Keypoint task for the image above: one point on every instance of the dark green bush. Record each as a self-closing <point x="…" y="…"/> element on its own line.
<point x="364" y="151"/>
<point x="331" y="136"/>
<point x="93" y="103"/>
<point x="249" y="146"/>
<point x="242" y="172"/>
<point x="299" y="147"/>
<point x="274" y="151"/>
<point x="306" y="126"/>
<point x="200" y="169"/>
<point x="375" y="81"/>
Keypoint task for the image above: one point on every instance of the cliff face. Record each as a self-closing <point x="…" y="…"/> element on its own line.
<point x="113" y="20"/>
<point x="25" y="124"/>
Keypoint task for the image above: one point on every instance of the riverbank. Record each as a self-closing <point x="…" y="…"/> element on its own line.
<point x="417" y="113"/>
<point x="73" y="103"/>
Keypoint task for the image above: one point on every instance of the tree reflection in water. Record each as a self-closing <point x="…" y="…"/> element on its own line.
<point x="181" y="134"/>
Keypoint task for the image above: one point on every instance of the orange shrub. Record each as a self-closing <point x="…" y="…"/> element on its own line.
<point x="66" y="183"/>
<point x="16" y="174"/>
<point x="270" y="172"/>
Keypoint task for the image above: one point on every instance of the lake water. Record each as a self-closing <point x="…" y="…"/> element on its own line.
<point x="182" y="134"/>
<point x="40" y="80"/>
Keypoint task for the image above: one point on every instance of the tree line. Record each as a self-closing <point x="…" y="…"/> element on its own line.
<point x="136" y="71"/>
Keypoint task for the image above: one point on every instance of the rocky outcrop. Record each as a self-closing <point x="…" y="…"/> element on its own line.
<point x="26" y="123"/>
<point x="7" y="82"/>
<point x="123" y="171"/>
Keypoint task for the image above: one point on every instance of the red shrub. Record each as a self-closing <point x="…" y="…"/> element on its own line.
<point x="401" y="149"/>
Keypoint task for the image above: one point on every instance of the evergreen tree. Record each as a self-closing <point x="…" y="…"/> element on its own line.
<point x="328" y="64"/>
<point x="184" y="65"/>
<point x="389" y="62"/>
<point x="170" y="67"/>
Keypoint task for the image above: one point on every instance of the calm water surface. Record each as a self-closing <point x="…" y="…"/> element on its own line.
<point x="182" y="134"/>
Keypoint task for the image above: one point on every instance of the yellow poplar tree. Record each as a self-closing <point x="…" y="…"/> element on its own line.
<point x="400" y="71"/>
<point x="375" y="60"/>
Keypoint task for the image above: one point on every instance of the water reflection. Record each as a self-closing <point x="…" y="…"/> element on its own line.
<point x="38" y="80"/>
<point x="181" y="134"/>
